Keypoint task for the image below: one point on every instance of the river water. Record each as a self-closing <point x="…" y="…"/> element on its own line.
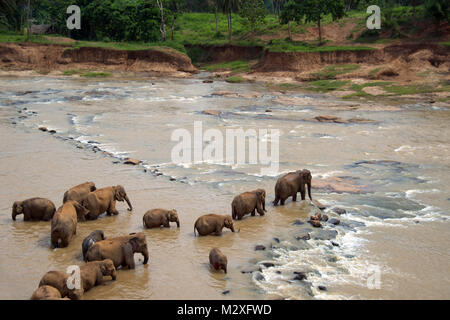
<point x="392" y="242"/>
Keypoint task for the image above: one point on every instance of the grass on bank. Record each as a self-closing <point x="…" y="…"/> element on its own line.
<point x="235" y="79"/>
<point x="87" y="74"/>
<point x="330" y="72"/>
<point x="235" y="66"/>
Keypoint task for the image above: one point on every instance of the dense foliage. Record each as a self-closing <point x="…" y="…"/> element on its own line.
<point x="156" y="20"/>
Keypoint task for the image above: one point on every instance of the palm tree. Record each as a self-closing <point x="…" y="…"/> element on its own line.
<point x="229" y="6"/>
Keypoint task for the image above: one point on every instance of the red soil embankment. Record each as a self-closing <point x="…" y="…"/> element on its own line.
<point x="225" y="53"/>
<point x="402" y="55"/>
<point x="59" y="57"/>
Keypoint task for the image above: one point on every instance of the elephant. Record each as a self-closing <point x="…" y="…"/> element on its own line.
<point x="218" y="260"/>
<point x="46" y="293"/>
<point x="213" y="224"/>
<point x="34" y="209"/>
<point x="160" y="217"/>
<point x="79" y="192"/>
<point x="64" y="223"/>
<point x="104" y="200"/>
<point x="58" y="280"/>
<point x="91" y="274"/>
<point x="95" y="236"/>
<point x="120" y="250"/>
<point x="248" y="202"/>
<point x="291" y="183"/>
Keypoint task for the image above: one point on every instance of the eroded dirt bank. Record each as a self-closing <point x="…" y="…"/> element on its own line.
<point x="50" y="57"/>
<point x="399" y="58"/>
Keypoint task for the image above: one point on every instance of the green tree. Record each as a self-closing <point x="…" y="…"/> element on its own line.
<point x="314" y="10"/>
<point x="288" y="14"/>
<point x="228" y="6"/>
<point x="253" y="11"/>
<point x="437" y="10"/>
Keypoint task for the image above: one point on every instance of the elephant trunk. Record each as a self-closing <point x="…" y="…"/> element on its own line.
<point x="145" y="254"/>
<point x="309" y="190"/>
<point x="130" y="207"/>
<point x="14" y="214"/>
<point x="114" y="275"/>
<point x="224" y="267"/>
<point x="178" y="223"/>
<point x="232" y="228"/>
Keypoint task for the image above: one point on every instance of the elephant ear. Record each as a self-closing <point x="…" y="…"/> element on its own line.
<point x="118" y="193"/>
<point x="18" y="207"/>
<point x="81" y="211"/>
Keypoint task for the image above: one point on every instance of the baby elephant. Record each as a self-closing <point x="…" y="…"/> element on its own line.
<point x="79" y="192"/>
<point x="46" y="293"/>
<point x="34" y="209"/>
<point x="91" y="274"/>
<point x="213" y="224"/>
<point x="218" y="260"/>
<point x="249" y="202"/>
<point x="95" y="236"/>
<point x="160" y="217"/>
<point x="64" y="223"/>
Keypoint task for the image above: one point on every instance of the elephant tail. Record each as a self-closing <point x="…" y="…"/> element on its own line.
<point x="194" y="230"/>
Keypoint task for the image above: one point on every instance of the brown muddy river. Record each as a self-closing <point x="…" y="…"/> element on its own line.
<point x="393" y="242"/>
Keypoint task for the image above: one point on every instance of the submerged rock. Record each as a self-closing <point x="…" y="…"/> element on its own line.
<point x="44" y="129"/>
<point x="339" y="211"/>
<point x="299" y="276"/>
<point x="216" y="113"/>
<point x="322" y="288"/>
<point x="334" y="221"/>
<point x="338" y="185"/>
<point x="324" y="234"/>
<point x="303" y="235"/>
<point x="260" y="247"/>
<point x="298" y="223"/>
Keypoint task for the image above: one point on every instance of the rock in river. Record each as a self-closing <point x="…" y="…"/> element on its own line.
<point x="320" y="234"/>
<point x="132" y="161"/>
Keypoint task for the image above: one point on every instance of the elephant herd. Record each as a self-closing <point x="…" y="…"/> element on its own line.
<point x="103" y="255"/>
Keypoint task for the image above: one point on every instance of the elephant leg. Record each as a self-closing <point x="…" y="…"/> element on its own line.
<point x="275" y="202"/>
<point x="254" y="212"/>
<point x="219" y="230"/>
<point x="302" y="192"/>
<point x="294" y="197"/>
<point x="112" y="209"/>
<point x="128" y="255"/>
<point x="282" y="200"/>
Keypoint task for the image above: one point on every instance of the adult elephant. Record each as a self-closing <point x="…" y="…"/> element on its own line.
<point x="104" y="200"/>
<point x="213" y="224"/>
<point x="160" y="217"/>
<point x="34" y="209"/>
<point x="91" y="274"/>
<point x="248" y="202"/>
<point x="120" y="250"/>
<point x="64" y="223"/>
<point x="291" y="183"/>
<point x="79" y="192"/>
